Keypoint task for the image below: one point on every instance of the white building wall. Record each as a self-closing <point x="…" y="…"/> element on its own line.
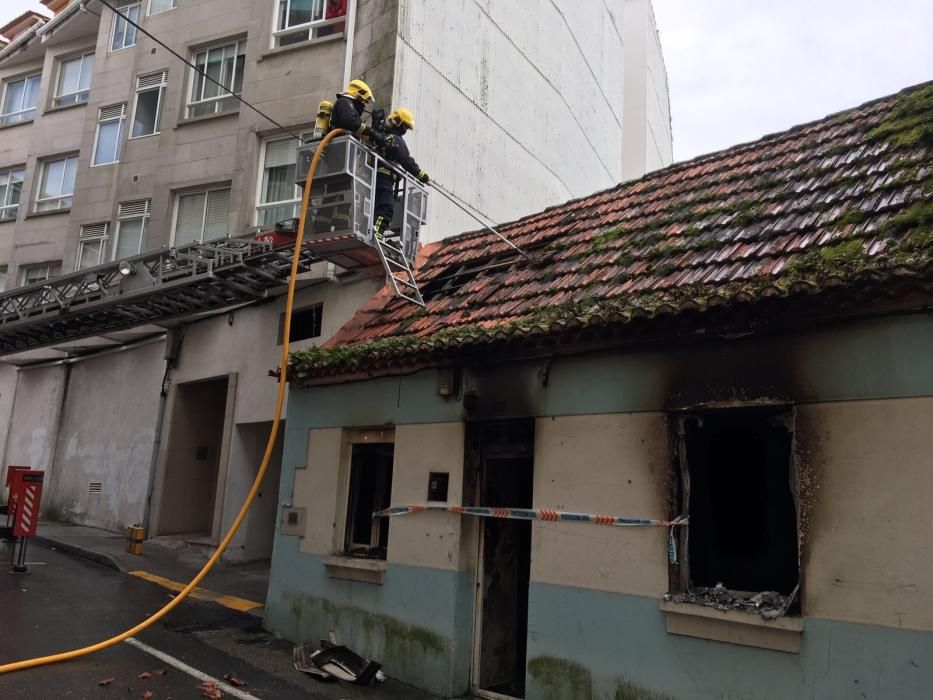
<point x="517" y="105"/>
<point x="647" y="139"/>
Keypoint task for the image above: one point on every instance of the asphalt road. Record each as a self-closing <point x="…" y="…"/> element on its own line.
<point x="65" y="603"/>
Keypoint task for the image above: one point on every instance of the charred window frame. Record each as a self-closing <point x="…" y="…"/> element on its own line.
<point x="734" y="475"/>
<point x="370" y="491"/>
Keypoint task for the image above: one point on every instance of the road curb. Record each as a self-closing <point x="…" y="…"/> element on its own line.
<point x="81" y="552"/>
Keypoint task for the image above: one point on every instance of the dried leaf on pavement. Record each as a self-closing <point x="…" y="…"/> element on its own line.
<point x="210" y="690"/>
<point x="233" y="680"/>
<point x="105" y="682"/>
<point x="144" y="675"/>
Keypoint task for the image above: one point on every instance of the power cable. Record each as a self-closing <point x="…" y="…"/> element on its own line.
<point x="198" y="70"/>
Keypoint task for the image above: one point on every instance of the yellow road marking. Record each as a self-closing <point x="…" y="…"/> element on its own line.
<point x="228" y="601"/>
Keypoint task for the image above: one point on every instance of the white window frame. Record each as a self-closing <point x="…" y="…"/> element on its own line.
<point x="58" y="80"/>
<point x="5" y="202"/>
<point x="306" y="27"/>
<point x="122" y="12"/>
<point x="261" y="206"/>
<point x="207" y="192"/>
<point x="137" y="210"/>
<point x="4" y="117"/>
<point x="192" y="79"/>
<point x="61" y="196"/>
<point x="49" y="268"/>
<point x="141" y="88"/>
<point x="159" y="12"/>
<point x="109" y="115"/>
<point x="93" y="234"/>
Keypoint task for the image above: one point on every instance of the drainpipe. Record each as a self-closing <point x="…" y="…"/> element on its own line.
<point x="351" y="34"/>
<point x="172" y="348"/>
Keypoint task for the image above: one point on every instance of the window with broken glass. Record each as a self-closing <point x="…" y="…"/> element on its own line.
<point x="370" y="491"/>
<point x="737" y="483"/>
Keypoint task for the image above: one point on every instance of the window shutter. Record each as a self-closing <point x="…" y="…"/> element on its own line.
<point x="139" y="207"/>
<point x="124" y="3"/>
<point x="152" y="80"/>
<point x="112" y="112"/>
<point x="90" y="232"/>
<point x="218" y="209"/>
<point x="282" y="152"/>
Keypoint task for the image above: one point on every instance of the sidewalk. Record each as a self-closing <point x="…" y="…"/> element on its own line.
<point x="161" y="558"/>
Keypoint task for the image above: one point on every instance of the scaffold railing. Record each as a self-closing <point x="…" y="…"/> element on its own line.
<point x="157" y="286"/>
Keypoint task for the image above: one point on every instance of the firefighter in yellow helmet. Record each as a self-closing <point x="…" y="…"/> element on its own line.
<point x="396" y="150"/>
<point x="348" y="111"/>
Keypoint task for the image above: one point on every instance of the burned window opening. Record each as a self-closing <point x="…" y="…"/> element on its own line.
<point x="736" y="479"/>
<point x="370" y="491"/>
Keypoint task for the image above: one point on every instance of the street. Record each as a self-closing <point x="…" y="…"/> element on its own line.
<point x="65" y="603"/>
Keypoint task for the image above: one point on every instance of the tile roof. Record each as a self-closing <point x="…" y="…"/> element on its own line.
<point x="823" y="204"/>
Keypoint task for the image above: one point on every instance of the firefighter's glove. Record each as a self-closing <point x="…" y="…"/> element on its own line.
<point x="377" y="138"/>
<point x="423" y="178"/>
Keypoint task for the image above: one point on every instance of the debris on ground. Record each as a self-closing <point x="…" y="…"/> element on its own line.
<point x="144" y="675"/>
<point x="210" y="690"/>
<point x="769" y="604"/>
<point x="105" y="682"/>
<point x="148" y="695"/>
<point x="333" y="663"/>
<point x="232" y="679"/>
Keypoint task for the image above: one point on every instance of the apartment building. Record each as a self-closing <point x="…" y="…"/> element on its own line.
<point x="110" y="146"/>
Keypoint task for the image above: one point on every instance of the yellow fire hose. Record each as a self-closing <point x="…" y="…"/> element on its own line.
<point x="273" y="433"/>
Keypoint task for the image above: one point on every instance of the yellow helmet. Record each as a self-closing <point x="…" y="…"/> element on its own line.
<point x="402" y="116"/>
<point x="359" y="90"/>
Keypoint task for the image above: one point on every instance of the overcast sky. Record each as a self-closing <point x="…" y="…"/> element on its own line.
<point x="739" y="69"/>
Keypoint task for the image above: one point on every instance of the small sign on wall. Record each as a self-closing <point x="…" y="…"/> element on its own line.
<point x="437" y="486"/>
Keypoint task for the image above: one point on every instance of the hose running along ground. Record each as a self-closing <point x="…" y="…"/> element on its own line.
<point x="267" y="456"/>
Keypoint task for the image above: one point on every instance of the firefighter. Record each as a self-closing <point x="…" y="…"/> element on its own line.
<point x="348" y="111"/>
<point x="396" y="151"/>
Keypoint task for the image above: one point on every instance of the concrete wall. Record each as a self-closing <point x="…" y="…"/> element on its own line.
<point x="863" y="395"/>
<point x="647" y="142"/>
<point x="122" y="390"/>
<point x="518" y="105"/>
<point x="40" y="395"/>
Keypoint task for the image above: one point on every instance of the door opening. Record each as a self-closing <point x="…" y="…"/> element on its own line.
<point x="189" y="487"/>
<point x="506" y="465"/>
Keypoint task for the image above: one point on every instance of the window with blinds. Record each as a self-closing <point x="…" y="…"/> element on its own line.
<point x="109" y="135"/>
<point x="147" y="106"/>
<point x="132" y="227"/>
<point x="279" y="197"/>
<point x="201" y="216"/>
<point x="92" y="242"/>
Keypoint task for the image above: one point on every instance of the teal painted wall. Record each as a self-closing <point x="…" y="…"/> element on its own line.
<point x="877" y="359"/>
<point x="417" y="624"/>
<point x="585" y="644"/>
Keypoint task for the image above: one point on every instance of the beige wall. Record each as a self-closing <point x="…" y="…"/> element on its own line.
<point x="614" y="464"/>
<point x="870" y="557"/>
<point x="427" y="539"/>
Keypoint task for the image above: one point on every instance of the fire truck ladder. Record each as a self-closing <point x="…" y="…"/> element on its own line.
<point x="151" y="288"/>
<point x="398" y="270"/>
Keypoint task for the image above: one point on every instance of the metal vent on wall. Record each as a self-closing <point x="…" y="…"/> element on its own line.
<point x="139" y="207"/>
<point x="95" y="487"/>
<point x="93" y="231"/>
<point x="151" y="80"/>
<point x="112" y="112"/>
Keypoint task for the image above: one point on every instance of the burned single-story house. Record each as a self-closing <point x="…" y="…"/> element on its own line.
<point x="735" y="353"/>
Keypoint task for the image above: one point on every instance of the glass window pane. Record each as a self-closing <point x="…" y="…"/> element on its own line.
<point x="3" y="275"/>
<point x="87" y="69"/>
<point x="146" y="118"/>
<point x="301" y="11"/>
<point x="130" y="238"/>
<point x="119" y="32"/>
<point x="69" y="77"/>
<point x="238" y="82"/>
<point x="157" y="6"/>
<point x="32" y="92"/>
<point x="89" y="254"/>
<point x="108" y="142"/>
<point x="71" y="169"/>
<point x="133" y="13"/>
<point x="13" y="99"/>
<point x="190" y="218"/>
<point x="214" y="70"/>
<point x="218" y="209"/>
<point x="51" y="179"/>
